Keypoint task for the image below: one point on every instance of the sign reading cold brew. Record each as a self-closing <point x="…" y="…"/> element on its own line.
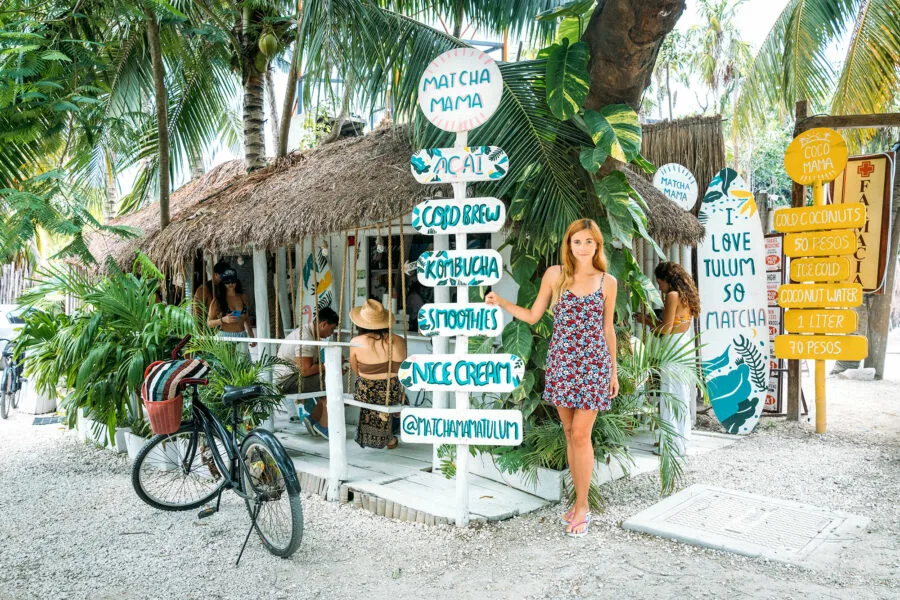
<point x="471" y="215"/>
<point x="458" y="165"/>
<point x="460" y="89"/>
<point x="459" y="267"/>
<point x="446" y="426"/>
<point x="462" y="372"/>
<point x="454" y="319"/>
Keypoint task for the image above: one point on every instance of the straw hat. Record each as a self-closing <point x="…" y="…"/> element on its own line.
<point x="371" y="315"/>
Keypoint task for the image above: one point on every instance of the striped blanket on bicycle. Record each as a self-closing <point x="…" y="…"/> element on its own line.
<point x="162" y="377"/>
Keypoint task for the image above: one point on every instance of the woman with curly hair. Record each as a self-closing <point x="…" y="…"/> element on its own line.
<point x="681" y="305"/>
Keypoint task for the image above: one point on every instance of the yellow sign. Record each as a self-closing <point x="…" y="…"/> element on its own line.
<point x="867" y="180"/>
<point x="820" y="321"/>
<point x="820" y="269"/>
<point x="821" y="243"/>
<point x="816" y="295"/>
<point x="821" y="347"/>
<point x="815" y="156"/>
<point x="817" y="218"/>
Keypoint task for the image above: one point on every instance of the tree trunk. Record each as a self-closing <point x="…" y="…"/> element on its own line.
<point x="162" y="116"/>
<point x="270" y="95"/>
<point x="335" y="132"/>
<point x="254" y="143"/>
<point x="669" y="92"/>
<point x="624" y="37"/>
<point x="112" y="193"/>
<point x="290" y="95"/>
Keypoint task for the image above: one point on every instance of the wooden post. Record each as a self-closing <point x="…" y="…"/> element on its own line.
<point x="441" y="345"/>
<point x="337" y="434"/>
<point x="261" y="300"/>
<point x="880" y="308"/>
<point x="797" y="200"/>
<point x="462" y="348"/>
<point x="284" y="301"/>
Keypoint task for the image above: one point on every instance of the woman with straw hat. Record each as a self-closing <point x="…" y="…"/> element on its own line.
<point x="375" y="357"/>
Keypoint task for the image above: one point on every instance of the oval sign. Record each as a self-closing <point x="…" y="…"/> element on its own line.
<point x="460" y="89"/>
<point x="459" y="267"/>
<point x="460" y="319"/>
<point x="470" y="215"/>
<point x="732" y="284"/>
<point x="678" y="184"/>
<point x="816" y="156"/>
<point x="462" y="372"/>
<point x="456" y="165"/>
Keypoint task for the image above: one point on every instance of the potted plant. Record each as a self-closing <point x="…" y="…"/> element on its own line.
<point x="136" y="435"/>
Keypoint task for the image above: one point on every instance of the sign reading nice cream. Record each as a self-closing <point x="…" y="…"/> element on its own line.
<point x="816" y="157"/>
<point x="442" y="426"/>
<point x="472" y="215"/>
<point x="457" y="165"/>
<point x="451" y="319"/>
<point x="460" y="89"/>
<point x="732" y="284"/>
<point x="678" y="184"/>
<point x="462" y="372"/>
<point x="459" y="267"/>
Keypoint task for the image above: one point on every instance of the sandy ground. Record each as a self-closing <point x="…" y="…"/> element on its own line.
<point x="72" y="527"/>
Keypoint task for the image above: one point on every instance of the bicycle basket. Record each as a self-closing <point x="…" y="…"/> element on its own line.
<point x="161" y="392"/>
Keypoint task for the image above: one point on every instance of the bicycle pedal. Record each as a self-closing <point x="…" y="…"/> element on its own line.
<point x="206" y="512"/>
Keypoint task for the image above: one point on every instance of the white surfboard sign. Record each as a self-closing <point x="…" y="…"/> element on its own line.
<point x="451" y="426"/>
<point x="732" y="284"/>
<point x="460" y="89"/>
<point x="462" y="372"/>
<point x="456" y="165"/>
<point x="459" y="267"/>
<point x="678" y="184"/>
<point x="470" y="215"/>
<point x="460" y="319"/>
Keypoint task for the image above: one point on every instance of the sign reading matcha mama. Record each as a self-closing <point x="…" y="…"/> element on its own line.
<point x="460" y="89"/>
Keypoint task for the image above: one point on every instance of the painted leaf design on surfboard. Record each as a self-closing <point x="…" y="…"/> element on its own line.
<point x="729" y="390"/>
<point x="752" y="357"/>
<point x="717" y="363"/>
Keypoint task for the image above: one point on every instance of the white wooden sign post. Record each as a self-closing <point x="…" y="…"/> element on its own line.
<point x="459" y="91"/>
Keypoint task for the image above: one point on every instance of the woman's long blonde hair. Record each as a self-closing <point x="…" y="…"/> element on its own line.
<point x="567" y="259"/>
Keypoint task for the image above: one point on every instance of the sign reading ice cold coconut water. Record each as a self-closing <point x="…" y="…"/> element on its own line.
<point x="732" y="284"/>
<point x="459" y="165"/>
<point x="459" y="267"/>
<point x="454" y="319"/>
<point x="460" y="89"/>
<point x="471" y="215"/>
<point x="678" y="184"/>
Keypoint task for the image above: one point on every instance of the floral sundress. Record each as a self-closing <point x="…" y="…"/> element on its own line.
<point x="579" y="366"/>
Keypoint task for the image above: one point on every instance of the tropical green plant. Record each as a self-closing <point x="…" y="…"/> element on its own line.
<point x="100" y="352"/>
<point x="793" y="63"/>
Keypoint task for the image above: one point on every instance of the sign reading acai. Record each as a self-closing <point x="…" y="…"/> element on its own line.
<point x="457" y="165"/>
<point x="462" y="372"/>
<point x="460" y="89"/>
<point x="459" y="267"/>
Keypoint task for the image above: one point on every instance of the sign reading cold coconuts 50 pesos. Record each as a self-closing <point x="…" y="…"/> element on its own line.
<point x="732" y="284"/>
<point x="459" y="91"/>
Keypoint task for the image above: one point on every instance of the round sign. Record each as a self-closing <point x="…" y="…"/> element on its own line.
<point x="816" y="156"/>
<point x="678" y="184"/>
<point x="460" y="89"/>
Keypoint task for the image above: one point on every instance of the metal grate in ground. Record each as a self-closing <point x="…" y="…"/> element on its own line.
<point x="749" y="524"/>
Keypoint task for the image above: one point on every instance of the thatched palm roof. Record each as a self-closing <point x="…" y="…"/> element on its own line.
<point x="356" y="182"/>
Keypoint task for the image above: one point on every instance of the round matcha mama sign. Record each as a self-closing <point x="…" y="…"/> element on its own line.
<point x="460" y="89"/>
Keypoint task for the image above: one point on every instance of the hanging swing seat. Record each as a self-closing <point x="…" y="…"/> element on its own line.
<point x="348" y="399"/>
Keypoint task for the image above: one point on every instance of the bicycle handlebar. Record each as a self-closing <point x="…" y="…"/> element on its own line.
<point x="177" y="350"/>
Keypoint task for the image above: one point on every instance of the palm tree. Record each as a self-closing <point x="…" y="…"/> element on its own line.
<point x="793" y="62"/>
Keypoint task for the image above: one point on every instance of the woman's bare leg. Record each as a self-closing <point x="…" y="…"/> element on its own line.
<point x="581" y="463"/>
<point x="565" y="417"/>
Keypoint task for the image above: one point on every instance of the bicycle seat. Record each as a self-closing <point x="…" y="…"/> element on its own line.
<point x="234" y="394"/>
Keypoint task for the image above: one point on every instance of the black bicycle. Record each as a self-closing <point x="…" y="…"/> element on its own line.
<point x="190" y="467"/>
<point x="10" y="380"/>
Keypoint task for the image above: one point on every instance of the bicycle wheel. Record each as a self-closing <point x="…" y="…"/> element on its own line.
<point x="279" y="521"/>
<point x="6" y="392"/>
<point x="163" y="480"/>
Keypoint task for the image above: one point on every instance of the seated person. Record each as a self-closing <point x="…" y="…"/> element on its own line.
<point x="229" y="309"/>
<point x="306" y="377"/>
<point x="377" y="381"/>
<point x="204" y="294"/>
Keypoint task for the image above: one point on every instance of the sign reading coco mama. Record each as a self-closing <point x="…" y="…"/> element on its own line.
<point x="471" y="215"/>
<point x="677" y="183"/>
<point x="732" y="284"/>
<point x="446" y="426"/>
<point x="454" y="319"/>
<point x="456" y="165"/>
<point x="459" y="267"/>
<point x="460" y="89"/>
<point x="462" y="372"/>
<point x="815" y="156"/>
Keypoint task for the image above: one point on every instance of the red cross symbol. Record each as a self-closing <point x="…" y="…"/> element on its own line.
<point x="865" y="169"/>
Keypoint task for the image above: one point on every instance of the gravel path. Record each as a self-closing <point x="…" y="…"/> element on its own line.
<point x="72" y="527"/>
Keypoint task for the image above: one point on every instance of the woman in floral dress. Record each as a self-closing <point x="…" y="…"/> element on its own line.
<point x="581" y="374"/>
